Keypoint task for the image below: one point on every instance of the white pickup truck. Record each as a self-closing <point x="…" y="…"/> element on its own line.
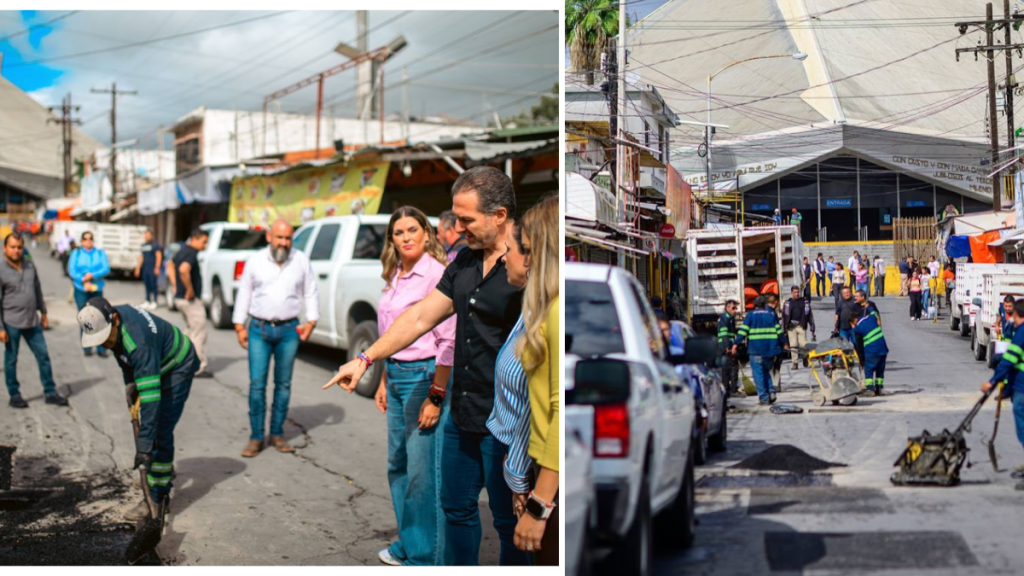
<point x="641" y="422"/>
<point x="969" y="285"/>
<point x="995" y="288"/>
<point x="121" y="242"/>
<point x="221" y="266"/>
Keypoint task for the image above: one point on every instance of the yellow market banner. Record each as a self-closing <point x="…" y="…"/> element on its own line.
<point x="305" y="194"/>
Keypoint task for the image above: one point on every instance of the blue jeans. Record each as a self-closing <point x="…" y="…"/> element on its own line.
<point x="37" y="343"/>
<point x="863" y="286"/>
<point x="761" y="366"/>
<point x="819" y="284"/>
<point x="174" y="390"/>
<point x="1018" y="414"/>
<point x="846" y="334"/>
<point x="149" y="279"/>
<point x="81" y="298"/>
<point x="926" y="296"/>
<point x="469" y="462"/>
<point x="281" y="342"/>
<point x="414" y="465"/>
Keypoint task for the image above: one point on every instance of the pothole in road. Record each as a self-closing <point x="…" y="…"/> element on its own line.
<point x="859" y="552"/>
<point x="785" y="458"/>
<point x="765" y="481"/>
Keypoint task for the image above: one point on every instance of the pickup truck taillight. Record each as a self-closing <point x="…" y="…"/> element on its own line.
<point x="611" y="431"/>
<point x="239" y="268"/>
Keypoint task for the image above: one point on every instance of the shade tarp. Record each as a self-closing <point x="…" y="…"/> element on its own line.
<point x="981" y="252"/>
<point x="958" y="247"/>
<point x="588" y="201"/>
<point x="480" y="151"/>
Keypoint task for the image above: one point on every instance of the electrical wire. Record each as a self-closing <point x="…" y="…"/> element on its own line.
<point x="40" y="25"/>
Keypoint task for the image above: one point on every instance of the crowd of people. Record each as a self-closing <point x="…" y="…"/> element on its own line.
<point x="469" y="325"/>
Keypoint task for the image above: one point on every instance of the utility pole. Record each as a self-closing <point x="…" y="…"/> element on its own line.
<point x="66" y="122"/>
<point x="113" y="91"/>
<point x="993" y="128"/>
<point x="620" y="105"/>
<point x="1010" y="83"/>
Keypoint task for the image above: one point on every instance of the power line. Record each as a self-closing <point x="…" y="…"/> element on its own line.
<point x="40" y="25"/>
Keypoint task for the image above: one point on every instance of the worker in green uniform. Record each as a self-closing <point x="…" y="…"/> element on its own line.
<point x="726" y="334"/>
<point x="158" y="363"/>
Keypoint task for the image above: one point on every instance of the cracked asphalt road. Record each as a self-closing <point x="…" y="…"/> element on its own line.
<point x="327" y="504"/>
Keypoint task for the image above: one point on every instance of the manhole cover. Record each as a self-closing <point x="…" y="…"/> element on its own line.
<point x="765" y="481"/>
<point x="865" y="551"/>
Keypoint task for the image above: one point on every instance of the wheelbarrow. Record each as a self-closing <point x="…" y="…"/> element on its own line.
<point x="835" y="375"/>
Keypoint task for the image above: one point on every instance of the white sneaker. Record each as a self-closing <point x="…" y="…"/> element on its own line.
<point x="386" y="557"/>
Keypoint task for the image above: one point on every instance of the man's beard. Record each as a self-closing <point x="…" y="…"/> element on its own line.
<point x="280" y="254"/>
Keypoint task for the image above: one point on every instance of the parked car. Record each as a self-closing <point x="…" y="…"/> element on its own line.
<point x="222" y="264"/>
<point x="695" y="358"/>
<point x="640" y="433"/>
<point x="578" y="499"/>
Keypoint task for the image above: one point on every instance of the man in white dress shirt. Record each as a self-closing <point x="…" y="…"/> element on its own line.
<point x="276" y="284"/>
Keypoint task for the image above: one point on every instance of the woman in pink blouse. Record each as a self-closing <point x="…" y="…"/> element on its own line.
<point x="412" y="391"/>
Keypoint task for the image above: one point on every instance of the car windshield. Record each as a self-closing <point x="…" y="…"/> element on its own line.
<point x="592" y="324"/>
<point x="243" y="240"/>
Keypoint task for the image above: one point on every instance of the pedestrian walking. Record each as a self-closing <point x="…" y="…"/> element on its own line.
<point x="88" y="266"/>
<point x="475" y="288"/>
<point x="820" y="269"/>
<point x="23" y="315"/>
<point x="448" y="236"/>
<point x="1011" y="371"/>
<point x="844" y="309"/>
<point x="277" y="285"/>
<point x="158" y="364"/>
<point x="949" y="276"/>
<point x="797" y="318"/>
<point x="766" y="341"/>
<point x="532" y="260"/>
<point x="838" y="281"/>
<point x="413" y="391"/>
<point x="933" y="266"/>
<point x="872" y="349"/>
<point x="188" y="287"/>
<point x="926" y="288"/>
<point x="879" y="265"/>
<point x="904" y="275"/>
<point x="808" y="277"/>
<point x="64" y="246"/>
<point x="861" y="276"/>
<point x="150" y="260"/>
<point x="915" y="295"/>
<point x="726" y="335"/>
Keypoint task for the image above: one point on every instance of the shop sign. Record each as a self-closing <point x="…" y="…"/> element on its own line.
<point x="916" y="204"/>
<point x="667" y="231"/>
<point x="838" y="203"/>
<point x="761" y="208"/>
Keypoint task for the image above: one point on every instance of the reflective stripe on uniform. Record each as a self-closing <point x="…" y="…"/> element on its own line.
<point x="155" y="481"/>
<point x="161" y="467"/>
<point x="182" y="351"/>
<point x="149" y="396"/>
<point x="873" y="336"/>
<point x="129" y="344"/>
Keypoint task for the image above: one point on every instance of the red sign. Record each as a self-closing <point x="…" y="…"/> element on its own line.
<point x="667" y="231"/>
<point x="570" y="255"/>
<point x="678" y="199"/>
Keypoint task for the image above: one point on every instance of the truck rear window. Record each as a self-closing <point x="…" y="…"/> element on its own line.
<point x="243" y="240"/>
<point x="370" y="241"/>
<point x="591" y="322"/>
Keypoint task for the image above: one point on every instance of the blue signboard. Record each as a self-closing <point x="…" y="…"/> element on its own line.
<point x="916" y="204"/>
<point x="838" y="203"/>
<point x="762" y="207"/>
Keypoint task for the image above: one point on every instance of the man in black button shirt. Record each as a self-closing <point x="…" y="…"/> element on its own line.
<point x="474" y="287"/>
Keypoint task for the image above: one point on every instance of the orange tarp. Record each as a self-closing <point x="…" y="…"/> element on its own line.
<point x="981" y="252"/>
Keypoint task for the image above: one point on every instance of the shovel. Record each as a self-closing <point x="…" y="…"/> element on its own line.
<point x="995" y="429"/>
<point x="150" y="530"/>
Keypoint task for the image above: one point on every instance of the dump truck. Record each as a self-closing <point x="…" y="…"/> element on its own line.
<point x="995" y="288"/>
<point x="723" y="263"/>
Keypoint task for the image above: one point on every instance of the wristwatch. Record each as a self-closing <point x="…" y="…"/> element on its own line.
<point x="436" y="394"/>
<point x="538" y="508"/>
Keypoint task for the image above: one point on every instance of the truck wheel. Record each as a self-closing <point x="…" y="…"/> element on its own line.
<point x="954" y="321"/>
<point x="220" y="312"/>
<point x="363" y="335"/>
<point x="169" y="295"/>
<point x="700" y="448"/>
<point x="965" y="328"/>
<point x="979" y="350"/>
<point x="974" y="341"/>
<point x="717" y="442"/>
<point x="992" y="360"/>
<point x="633" y="554"/>
<point x="676" y="527"/>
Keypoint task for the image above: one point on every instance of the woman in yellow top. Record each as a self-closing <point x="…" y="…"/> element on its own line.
<point x="537" y="236"/>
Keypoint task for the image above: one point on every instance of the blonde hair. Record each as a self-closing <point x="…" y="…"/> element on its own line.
<point x="389" y="256"/>
<point x="540" y="225"/>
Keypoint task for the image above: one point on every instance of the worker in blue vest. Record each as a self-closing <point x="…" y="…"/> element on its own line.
<point x="766" y="340"/>
<point x="1011" y="370"/>
<point x="871" y="347"/>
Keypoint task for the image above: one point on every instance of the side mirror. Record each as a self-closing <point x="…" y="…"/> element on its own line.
<point x="602" y="381"/>
<point x="699" y="350"/>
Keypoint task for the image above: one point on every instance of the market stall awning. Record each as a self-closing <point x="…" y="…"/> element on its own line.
<point x="587" y="200"/>
<point x="483" y="151"/>
<point x="89" y="210"/>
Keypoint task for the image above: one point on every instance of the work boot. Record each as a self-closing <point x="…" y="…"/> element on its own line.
<point x="56" y="399"/>
<point x="252" y="449"/>
<point x="280" y="444"/>
<point x="102" y="352"/>
<point x="138" y="512"/>
<point x="18" y="402"/>
<point x="796" y="366"/>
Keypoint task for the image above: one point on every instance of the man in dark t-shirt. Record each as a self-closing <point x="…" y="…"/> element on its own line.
<point x="474" y="287"/>
<point x="845" y="308"/>
<point x="188" y="287"/>
<point x="150" y="260"/>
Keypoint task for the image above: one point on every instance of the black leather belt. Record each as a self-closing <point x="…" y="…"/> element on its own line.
<point x="275" y="322"/>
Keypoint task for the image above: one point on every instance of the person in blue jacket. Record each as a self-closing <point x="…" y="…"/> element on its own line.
<point x="766" y="340"/>
<point x="88" y="266"/>
<point x="158" y="363"/>
<point x="871" y="347"/>
<point x="1004" y="323"/>
<point x="1011" y="370"/>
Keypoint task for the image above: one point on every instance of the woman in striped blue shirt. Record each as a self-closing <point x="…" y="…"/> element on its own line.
<point x="510" y="418"/>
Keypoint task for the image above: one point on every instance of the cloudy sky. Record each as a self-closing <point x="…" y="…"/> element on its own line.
<point x="459" y="63"/>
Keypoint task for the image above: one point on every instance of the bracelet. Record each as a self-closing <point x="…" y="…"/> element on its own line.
<point x="362" y="356"/>
<point x="438" y="390"/>
<point x="548" y="505"/>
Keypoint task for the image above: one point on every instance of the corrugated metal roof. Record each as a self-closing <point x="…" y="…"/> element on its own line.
<point x="525" y="131"/>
